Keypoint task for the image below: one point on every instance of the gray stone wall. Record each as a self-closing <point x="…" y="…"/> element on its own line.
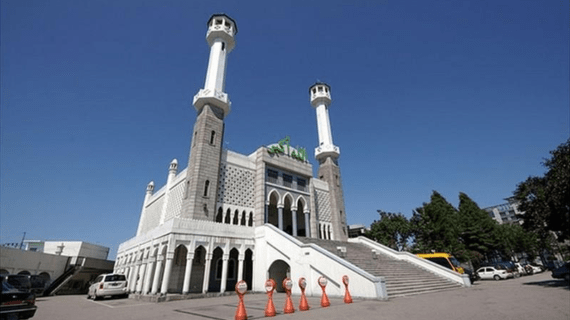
<point x="204" y="165"/>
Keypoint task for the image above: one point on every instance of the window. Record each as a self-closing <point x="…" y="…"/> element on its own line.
<point x="206" y="186"/>
<point x="223" y="46"/>
<point x="287" y="180"/>
<point x="272" y="176"/>
<point x="115" y="277"/>
<point x="301" y="184"/>
<point x="213" y="137"/>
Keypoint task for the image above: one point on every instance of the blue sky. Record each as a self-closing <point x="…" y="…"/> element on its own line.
<point x="453" y="96"/>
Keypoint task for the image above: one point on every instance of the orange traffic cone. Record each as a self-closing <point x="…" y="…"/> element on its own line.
<point x="288" y="305"/>
<point x="241" y="314"/>
<point x="270" y="307"/>
<point x="304" y="304"/>
<point x="288" y="285"/>
<point x="325" y="300"/>
<point x="347" y="297"/>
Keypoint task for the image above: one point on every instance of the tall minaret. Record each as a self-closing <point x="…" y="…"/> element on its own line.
<point x="327" y="154"/>
<point x="212" y="105"/>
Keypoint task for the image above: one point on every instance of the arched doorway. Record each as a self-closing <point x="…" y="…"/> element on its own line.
<point x="178" y="268"/>
<point x="232" y="271"/>
<point x="278" y="271"/>
<point x="216" y="270"/>
<point x="272" y="215"/>
<point x="301" y="232"/>
<point x="198" y="266"/>
<point x="287" y="216"/>
<point x="248" y="268"/>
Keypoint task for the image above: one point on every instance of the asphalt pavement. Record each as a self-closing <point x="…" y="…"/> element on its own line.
<point x="529" y="297"/>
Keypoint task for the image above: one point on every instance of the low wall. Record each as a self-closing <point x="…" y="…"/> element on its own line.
<point x="310" y="261"/>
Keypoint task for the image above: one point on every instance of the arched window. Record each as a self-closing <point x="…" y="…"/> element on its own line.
<point x="236" y="218"/>
<point x="228" y="220"/>
<point x="206" y="187"/>
<point x="219" y="216"/>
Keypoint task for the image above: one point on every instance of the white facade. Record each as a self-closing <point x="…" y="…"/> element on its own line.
<point x="506" y="213"/>
<point x="76" y="249"/>
<point x="234" y="217"/>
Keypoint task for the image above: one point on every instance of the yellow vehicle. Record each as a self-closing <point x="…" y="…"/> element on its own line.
<point x="444" y="260"/>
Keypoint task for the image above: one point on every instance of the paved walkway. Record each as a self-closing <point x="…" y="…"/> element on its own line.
<point x="531" y="297"/>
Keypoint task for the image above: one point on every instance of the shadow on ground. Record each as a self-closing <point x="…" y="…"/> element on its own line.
<point x="550" y="284"/>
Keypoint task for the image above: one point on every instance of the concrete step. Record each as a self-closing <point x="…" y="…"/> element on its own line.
<point x="402" y="278"/>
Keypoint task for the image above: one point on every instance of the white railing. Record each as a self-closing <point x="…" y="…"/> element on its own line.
<point x="462" y="279"/>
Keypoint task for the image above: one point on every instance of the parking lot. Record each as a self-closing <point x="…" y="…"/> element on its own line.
<point x="530" y="297"/>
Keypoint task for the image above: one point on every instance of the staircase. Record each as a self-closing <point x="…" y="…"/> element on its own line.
<point x="402" y="278"/>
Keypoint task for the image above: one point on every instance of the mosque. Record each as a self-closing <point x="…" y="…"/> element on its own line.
<point x="229" y="217"/>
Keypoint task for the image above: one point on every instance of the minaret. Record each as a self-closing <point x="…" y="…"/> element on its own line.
<point x="327" y="154"/>
<point x="212" y="105"/>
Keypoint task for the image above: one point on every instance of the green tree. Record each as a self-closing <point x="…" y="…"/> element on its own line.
<point x="435" y="226"/>
<point x="546" y="200"/>
<point x="476" y="229"/>
<point x="513" y="239"/>
<point x="392" y="230"/>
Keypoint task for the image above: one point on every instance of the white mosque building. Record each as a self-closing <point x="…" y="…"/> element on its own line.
<point x="230" y="217"/>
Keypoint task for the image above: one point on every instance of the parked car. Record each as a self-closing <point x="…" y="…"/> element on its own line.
<point x="16" y="303"/>
<point x="38" y="284"/>
<point x="562" y="272"/>
<point x="490" y="273"/>
<point x="18" y="281"/>
<point x="520" y="269"/>
<point x="108" y="285"/>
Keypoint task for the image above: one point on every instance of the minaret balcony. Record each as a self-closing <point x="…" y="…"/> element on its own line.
<point x="213" y="97"/>
<point x="327" y="151"/>
<point x="222" y="27"/>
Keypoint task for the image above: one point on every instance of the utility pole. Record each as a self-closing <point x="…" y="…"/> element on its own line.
<point x="22" y="243"/>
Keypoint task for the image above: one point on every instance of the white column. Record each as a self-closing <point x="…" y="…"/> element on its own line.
<point x="307" y="225"/>
<point x="206" y="282"/>
<point x="157" y="272"/>
<point x="133" y="283"/>
<point x="294" y="216"/>
<point x="167" y="272"/>
<point x="141" y="276"/>
<point x="148" y="276"/>
<point x="240" y="267"/>
<point x="187" y="273"/>
<point x="323" y="125"/>
<point x="225" y="258"/>
<point x="280" y="215"/>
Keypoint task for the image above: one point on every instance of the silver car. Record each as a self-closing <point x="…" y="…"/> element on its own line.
<point x="108" y="285"/>
<point x="488" y="273"/>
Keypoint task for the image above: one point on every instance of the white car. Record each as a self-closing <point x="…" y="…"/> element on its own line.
<point x="490" y="273"/>
<point x="108" y="285"/>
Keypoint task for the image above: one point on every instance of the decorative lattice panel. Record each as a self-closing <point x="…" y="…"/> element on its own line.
<point x="236" y="186"/>
<point x="152" y="215"/>
<point x="174" y="207"/>
<point x="323" y="206"/>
